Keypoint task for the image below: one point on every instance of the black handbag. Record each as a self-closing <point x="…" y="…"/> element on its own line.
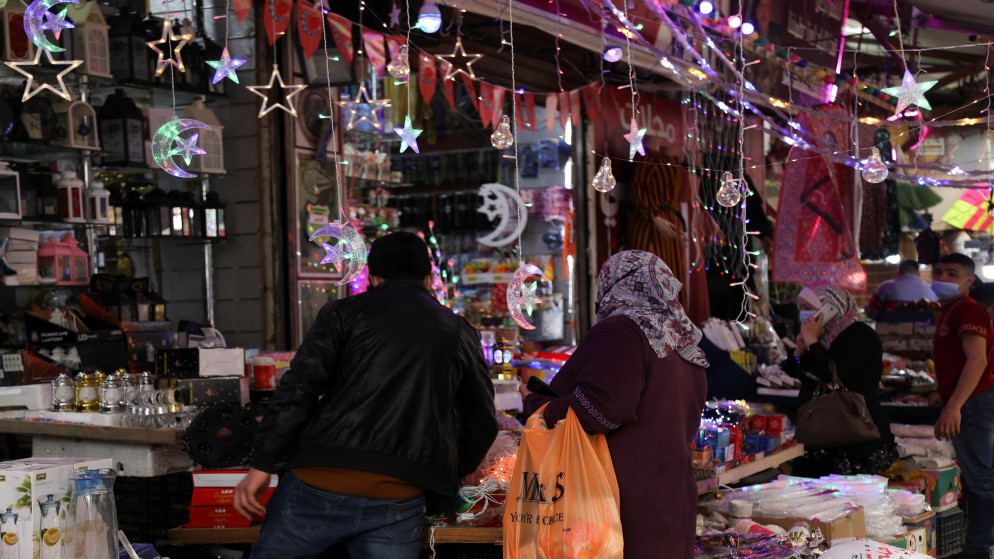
<point x="835" y="417"/>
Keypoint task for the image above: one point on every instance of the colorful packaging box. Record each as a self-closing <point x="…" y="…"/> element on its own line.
<point x="752" y="441"/>
<point x="944" y="487"/>
<point x="926" y="523"/>
<point x="758" y="422"/>
<point x="775" y="424"/>
<point x="213" y="494"/>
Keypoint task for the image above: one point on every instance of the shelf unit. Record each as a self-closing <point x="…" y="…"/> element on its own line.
<point x="738" y="473"/>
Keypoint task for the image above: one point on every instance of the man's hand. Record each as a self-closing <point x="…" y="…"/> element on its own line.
<point x="247" y="494"/>
<point x="665" y="227"/>
<point x="949" y="422"/>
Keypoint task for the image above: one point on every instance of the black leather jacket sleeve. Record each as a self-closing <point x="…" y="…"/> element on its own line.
<point x="474" y="406"/>
<point x="296" y="399"/>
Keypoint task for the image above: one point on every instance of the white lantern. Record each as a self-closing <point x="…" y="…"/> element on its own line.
<point x="70" y="196"/>
<point x="210" y="140"/>
<point x="97" y="203"/>
<point x="10" y="193"/>
<point x="89" y="38"/>
<point x="16" y="45"/>
<point x="77" y="124"/>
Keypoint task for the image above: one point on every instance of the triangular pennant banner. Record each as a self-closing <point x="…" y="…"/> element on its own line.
<point x="242" y="9"/>
<point x="373" y="43"/>
<point x="499" y="93"/>
<point x="530" y="110"/>
<point x="341" y="32"/>
<point x="447" y="90"/>
<point x="468" y="82"/>
<point x="310" y="26"/>
<point x="519" y="112"/>
<point x="486" y="104"/>
<point x="563" y="109"/>
<point x="277" y="18"/>
<point x="592" y="100"/>
<point x="427" y="77"/>
<point x="574" y="107"/>
<point x="394" y="42"/>
<point x="551" y="102"/>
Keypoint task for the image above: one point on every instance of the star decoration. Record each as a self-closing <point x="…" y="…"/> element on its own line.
<point x="408" y="136"/>
<point x="395" y="16"/>
<point x="459" y="61"/>
<point x="61" y="90"/>
<point x="356" y="117"/>
<point x="277" y="94"/>
<point x="634" y="138"/>
<point x="336" y="255"/>
<point x="225" y="68"/>
<point x="187" y="147"/>
<point x="168" y="38"/>
<point x="911" y="92"/>
<point x="56" y="23"/>
<point x="528" y="299"/>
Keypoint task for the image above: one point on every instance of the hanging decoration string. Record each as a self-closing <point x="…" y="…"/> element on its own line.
<point x="514" y="113"/>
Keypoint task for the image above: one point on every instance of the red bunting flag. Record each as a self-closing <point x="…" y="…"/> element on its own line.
<point x="551" y="102"/>
<point x="427" y="77"/>
<point x="468" y="82"/>
<point x="394" y="42"/>
<point x="242" y="9"/>
<point x="310" y="26"/>
<point x="447" y="90"/>
<point x="563" y="109"/>
<point x="519" y="112"/>
<point x="373" y="44"/>
<point x="277" y="18"/>
<point x="592" y="100"/>
<point x="499" y="93"/>
<point x="341" y="32"/>
<point x="486" y="104"/>
<point x="574" y="106"/>
<point x="530" y="110"/>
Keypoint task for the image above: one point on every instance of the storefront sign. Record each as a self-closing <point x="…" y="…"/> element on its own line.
<point x="660" y="117"/>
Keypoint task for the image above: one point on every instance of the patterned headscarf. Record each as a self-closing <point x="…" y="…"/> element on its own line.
<point x="639" y="285"/>
<point x="848" y="311"/>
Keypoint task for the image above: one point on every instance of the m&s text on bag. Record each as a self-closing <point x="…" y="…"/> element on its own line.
<point x="544" y="520"/>
<point x="533" y="490"/>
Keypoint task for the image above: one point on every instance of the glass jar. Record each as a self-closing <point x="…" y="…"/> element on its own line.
<point x="112" y="395"/>
<point x="130" y="384"/>
<point x="63" y="393"/>
<point x="146" y="382"/>
<point x="87" y="398"/>
<point x="93" y="514"/>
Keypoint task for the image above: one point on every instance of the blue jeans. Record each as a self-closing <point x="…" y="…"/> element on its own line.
<point x="975" y="454"/>
<point x="302" y="521"/>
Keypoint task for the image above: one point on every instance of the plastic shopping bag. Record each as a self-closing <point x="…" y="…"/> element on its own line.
<point x="563" y="501"/>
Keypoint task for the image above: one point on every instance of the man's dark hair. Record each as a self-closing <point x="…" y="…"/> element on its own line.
<point x="399" y="255"/>
<point x="960" y="259"/>
<point x="908" y="267"/>
<point x="984" y="294"/>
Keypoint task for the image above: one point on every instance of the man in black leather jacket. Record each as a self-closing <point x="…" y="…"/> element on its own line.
<point x="386" y="406"/>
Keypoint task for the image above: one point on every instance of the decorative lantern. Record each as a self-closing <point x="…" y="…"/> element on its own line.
<point x="180" y="214"/>
<point x="38" y="118"/>
<point x="122" y="130"/>
<point x="48" y="194"/>
<point x="77" y="124"/>
<point x="135" y="218"/>
<point x="70" y="196"/>
<point x="129" y="55"/>
<point x="98" y="203"/>
<point x="214" y="225"/>
<point x="195" y="213"/>
<point x="90" y="38"/>
<point x="116" y="203"/>
<point x="80" y="260"/>
<point x="16" y="45"/>
<point x="211" y="162"/>
<point x="55" y="261"/>
<point x="159" y="213"/>
<point x="10" y="193"/>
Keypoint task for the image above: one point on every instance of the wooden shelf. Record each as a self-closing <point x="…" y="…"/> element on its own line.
<point x="745" y="470"/>
<point x="443" y="534"/>
<point x="96" y="432"/>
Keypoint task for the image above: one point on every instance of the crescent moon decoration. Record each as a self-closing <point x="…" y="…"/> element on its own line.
<point x="167" y="143"/>
<point x="519" y="294"/>
<point x="37" y="19"/>
<point x="501" y="202"/>
<point x="350" y="247"/>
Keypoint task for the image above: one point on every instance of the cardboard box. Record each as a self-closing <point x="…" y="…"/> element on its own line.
<point x="912" y="540"/>
<point x="222" y="496"/>
<point x="209" y="391"/>
<point x="944" y="487"/>
<point x="221" y="362"/>
<point x="926" y="523"/>
<point x="224" y="478"/>
<point x="177" y="363"/>
<point x="852" y="525"/>
<point x="758" y="422"/>
<point x="918" y="486"/>
<point x="219" y="517"/>
<point x="775" y="424"/>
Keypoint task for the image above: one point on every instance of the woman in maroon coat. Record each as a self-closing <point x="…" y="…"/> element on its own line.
<point x="638" y="376"/>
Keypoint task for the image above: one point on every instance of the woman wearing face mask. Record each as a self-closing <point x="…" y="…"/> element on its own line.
<point x="855" y="349"/>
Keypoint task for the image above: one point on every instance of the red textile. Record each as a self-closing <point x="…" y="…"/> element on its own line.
<point x="650" y="409"/>
<point x="960" y="317"/>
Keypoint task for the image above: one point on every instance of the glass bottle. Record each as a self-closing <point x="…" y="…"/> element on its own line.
<point x="87" y="399"/>
<point x="63" y="393"/>
<point x="10" y="534"/>
<point x="146" y="382"/>
<point x="51" y="528"/>
<point x="93" y="514"/>
<point x="130" y="384"/>
<point x="111" y="395"/>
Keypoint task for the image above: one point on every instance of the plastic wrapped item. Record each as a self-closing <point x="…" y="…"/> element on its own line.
<point x="908" y="504"/>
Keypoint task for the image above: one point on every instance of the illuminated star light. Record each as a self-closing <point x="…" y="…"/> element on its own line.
<point x="911" y="92"/>
<point x="355" y="117"/>
<point x="459" y="61"/>
<point x="336" y="255"/>
<point x="56" y="23"/>
<point x="168" y="38"/>
<point x="225" y="68"/>
<point x="187" y="147"/>
<point x="408" y="136"/>
<point x="635" y="140"/>
<point x="272" y="91"/>
<point x="528" y="299"/>
<point x="61" y="91"/>
<point x="395" y="16"/>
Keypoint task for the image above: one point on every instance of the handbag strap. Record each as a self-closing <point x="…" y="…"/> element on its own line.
<point x="822" y="387"/>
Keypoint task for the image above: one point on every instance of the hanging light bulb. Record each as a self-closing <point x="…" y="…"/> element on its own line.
<point x="874" y="169"/>
<point x="730" y="194"/>
<point x="399" y="68"/>
<point x="502" y="138"/>
<point x="604" y="179"/>
<point x="429" y="17"/>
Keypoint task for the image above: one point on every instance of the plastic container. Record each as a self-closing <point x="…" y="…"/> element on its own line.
<point x="949" y="532"/>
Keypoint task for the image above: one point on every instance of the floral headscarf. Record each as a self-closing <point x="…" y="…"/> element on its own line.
<point x="639" y="285"/>
<point x="848" y="311"/>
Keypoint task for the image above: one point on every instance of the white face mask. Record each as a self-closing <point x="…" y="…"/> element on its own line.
<point x="806" y="315"/>
<point x="945" y="290"/>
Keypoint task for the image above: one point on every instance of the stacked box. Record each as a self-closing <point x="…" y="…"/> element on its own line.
<point x="944" y="487"/>
<point x="926" y="523"/>
<point x="22" y="255"/>
<point x="213" y="495"/>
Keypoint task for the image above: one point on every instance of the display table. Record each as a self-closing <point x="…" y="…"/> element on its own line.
<point x="443" y="534"/>
<point x="93" y="432"/>
<point x="737" y="473"/>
